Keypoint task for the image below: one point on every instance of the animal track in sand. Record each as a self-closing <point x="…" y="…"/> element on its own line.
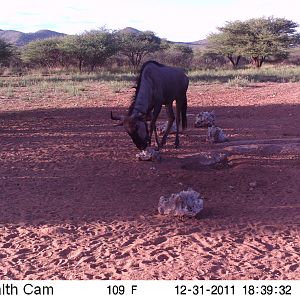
<point x="66" y="189"/>
<point x="130" y="240"/>
<point x="155" y="242"/>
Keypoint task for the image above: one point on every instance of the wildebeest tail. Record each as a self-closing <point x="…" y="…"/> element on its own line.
<point x="183" y="113"/>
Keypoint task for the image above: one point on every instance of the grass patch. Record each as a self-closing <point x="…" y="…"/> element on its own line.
<point x="239" y="81"/>
<point x="74" y="84"/>
<point x="40" y="79"/>
<point x="61" y="85"/>
<point x="246" y="76"/>
<point x="10" y="92"/>
<point x="119" y="86"/>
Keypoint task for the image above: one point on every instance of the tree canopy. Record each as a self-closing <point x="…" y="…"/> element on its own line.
<point x="99" y="46"/>
<point x="252" y="40"/>
<point x="43" y="52"/>
<point x="176" y="54"/>
<point x="91" y="48"/>
<point x="255" y="38"/>
<point x="135" y="46"/>
<point x="6" y="51"/>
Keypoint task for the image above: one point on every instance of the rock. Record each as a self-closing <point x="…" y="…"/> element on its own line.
<point x="161" y="128"/>
<point x="216" y="135"/>
<point x="205" y="119"/>
<point x="212" y="159"/>
<point x="185" y="203"/>
<point x="204" y="161"/>
<point x="150" y="154"/>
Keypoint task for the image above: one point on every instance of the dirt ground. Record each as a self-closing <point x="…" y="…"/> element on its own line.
<point x="76" y="204"/>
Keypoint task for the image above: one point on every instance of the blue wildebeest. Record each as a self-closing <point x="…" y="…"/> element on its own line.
<point x="157" y="85"/>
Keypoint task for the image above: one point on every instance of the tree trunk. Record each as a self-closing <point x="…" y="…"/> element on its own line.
<point x="262" y="61"/>
<point x="237" y="60"/>
<point x="80" y="65"/>
<point x="93" y="65"/>
<point x="258" y="61"/>
<point x="254" y="60"/>
<point x="234" y="62"/>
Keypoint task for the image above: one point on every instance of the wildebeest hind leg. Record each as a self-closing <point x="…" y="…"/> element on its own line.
<point x="171" y="119"/>
<point x="177" y="127"/>
<point x="156" y="137"/>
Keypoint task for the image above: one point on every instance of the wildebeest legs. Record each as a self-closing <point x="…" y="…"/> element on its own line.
<point x="177" y="127"/>
<point x="153" y="118"/>
<point x="171" y="118"/>
<point x="156" y="136"/>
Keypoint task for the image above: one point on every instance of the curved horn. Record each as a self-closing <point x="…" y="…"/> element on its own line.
<point x="117" y="118"/>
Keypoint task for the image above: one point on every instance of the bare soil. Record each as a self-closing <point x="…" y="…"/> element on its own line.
<point x="75" y="203"/>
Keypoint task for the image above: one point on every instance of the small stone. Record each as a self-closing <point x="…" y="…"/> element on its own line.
<point x="253" y="184"/>
<point x="213" y="159"/>
<point x="150" y="154"/>
<point x="185" y="203"/>
<point x="162" y="127"/>
<point x="216" y="135"/>
<point x="205" y="119"/>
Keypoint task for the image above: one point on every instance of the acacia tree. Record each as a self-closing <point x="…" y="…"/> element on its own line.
<point x="269" y="37"/>
<point x="255" y="38"/>
<point x="204" y="59"/>
<point x="45" y="53"/>
<point x="100" y="45"/>
<point x="74" y="48"/>
<point x="136" y="45"/>
<point x="91" y="48"/>
<point x="177" y="55"/>
<point x="6" y="51"/>
<point x="229" y="42"/>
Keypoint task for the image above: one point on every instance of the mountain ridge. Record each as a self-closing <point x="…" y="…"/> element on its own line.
<point x="19" y="38"/>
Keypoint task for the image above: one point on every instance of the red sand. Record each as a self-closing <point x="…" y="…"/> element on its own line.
<point x="76" y="204"/>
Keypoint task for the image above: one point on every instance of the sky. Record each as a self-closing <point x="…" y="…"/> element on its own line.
<point x="175" y="20"/>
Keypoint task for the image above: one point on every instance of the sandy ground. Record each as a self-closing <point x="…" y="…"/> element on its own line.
<point x="76" y="204"/>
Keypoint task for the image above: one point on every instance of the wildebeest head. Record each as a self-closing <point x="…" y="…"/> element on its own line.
<point x="136" y="126"/>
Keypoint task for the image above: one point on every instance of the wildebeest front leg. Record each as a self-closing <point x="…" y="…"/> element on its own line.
<point x="153" y="126"/>
<point x="171" y="119"/>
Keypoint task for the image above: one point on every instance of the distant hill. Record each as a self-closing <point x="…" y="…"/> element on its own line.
<point x="19" y="38"/>
<point x="129" y="30"/>
<point x="196" y="44"/>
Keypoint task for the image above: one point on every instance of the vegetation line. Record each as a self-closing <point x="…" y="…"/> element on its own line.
<point x="237" y="44"/>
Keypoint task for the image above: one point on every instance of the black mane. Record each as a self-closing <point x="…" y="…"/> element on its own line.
<point x="138" y="83"/>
